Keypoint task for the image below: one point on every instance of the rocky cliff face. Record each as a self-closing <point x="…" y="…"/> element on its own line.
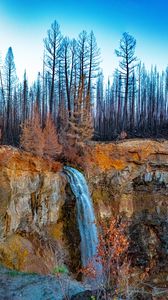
<point x="38" y="228"/>
<point x="32" y="192"/>
<point x="131" y="179"/>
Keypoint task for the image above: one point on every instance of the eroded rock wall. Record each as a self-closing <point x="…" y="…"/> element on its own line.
<point x="38" y="229"/>
<point x="32" y="192"/>
<point x="130" y="179"/>
<point x="129" y="176"/>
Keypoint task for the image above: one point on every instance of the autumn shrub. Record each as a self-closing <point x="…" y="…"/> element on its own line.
<point x="112" y="249"/>
<point x="111" y="254"/>
<point x="119" y="280"/>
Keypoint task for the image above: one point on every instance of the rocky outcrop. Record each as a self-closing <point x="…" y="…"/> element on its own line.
<point x="16" y="285"/>
<point x="130" y="176"/>
<point x="32" y="192"/>
<point x="38" y="229"/>
<point x="130" y="179"/>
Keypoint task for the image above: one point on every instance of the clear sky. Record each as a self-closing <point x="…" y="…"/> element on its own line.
<point x="24" y="24"/>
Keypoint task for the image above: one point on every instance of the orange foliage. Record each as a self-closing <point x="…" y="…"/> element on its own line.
<point x="37" y="141"/>
<point x="111" y="250"/>
<point x="113" y="243"/>
<point x="75" y="156"/>
<point x="51" y="145"/>
<point x="56" y="166"/>
<point x="32" y="138"/>
<point x="118" y="277"/>
<point x="5" y="155"/>
<point x="89" y="271"/>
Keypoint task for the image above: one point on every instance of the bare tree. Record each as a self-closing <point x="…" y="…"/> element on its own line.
<point x="94" y="60"/>
<point x="10" y="80"/>
<point x="25" y="98"/>
<point x="53" y="47"/>
<point x="126" y="53"/>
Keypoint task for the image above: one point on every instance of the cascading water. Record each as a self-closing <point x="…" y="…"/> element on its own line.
<point x="85" y="216"/>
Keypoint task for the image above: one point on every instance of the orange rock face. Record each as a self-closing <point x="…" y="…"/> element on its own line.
<point x="32" y="191"/>
<point x="130" y="179"/>
<point x="119" y="155"/>
<point x="129" y="176"/>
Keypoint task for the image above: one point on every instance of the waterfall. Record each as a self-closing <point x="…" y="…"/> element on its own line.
<point x="85" y="216"/>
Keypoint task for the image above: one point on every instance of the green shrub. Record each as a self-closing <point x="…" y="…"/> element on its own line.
<point x="60" y="270"/>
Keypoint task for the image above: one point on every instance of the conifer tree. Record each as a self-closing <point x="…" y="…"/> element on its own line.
<point x="80" y="128"/>
<point x="51" y="145"/>
<point x="32" y="137"/>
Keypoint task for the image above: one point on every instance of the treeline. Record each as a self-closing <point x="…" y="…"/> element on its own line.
<point x="136" y="103"/>
<point x="71" y="90"/>
<point x="64" y="88"/>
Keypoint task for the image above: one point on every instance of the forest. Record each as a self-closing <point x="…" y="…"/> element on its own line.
<point x="71" y="90"/>
<point x="83" y="158"/>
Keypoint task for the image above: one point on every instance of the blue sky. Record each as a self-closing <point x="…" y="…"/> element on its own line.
<point x="24" y="24"/>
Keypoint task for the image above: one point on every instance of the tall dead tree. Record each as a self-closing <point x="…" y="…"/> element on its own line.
<point x="10" y="80"/>
<point x="94" y="60"/>
<point x="127" y="64"/>
<point x="52" y="55"/>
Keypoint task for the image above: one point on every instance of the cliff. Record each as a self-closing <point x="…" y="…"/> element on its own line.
<point x="38" y="229"/>
<point x="130" y="179"/>
<point x="32" y="191"/>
